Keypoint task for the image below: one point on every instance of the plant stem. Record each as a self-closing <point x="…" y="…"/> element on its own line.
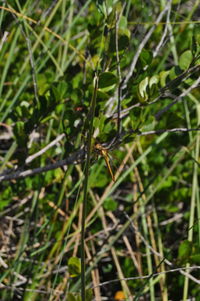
<point x="87" y="166"/>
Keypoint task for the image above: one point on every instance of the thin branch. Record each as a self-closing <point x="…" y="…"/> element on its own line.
<point x="119" y="92"/>
<point x="181" y="270"/>
<point x="31" y="58"/>
<point x="185" y="273"/>
<point x="147" y="244"/>
<point x="85" y="187"/>
<point x="178" y="98"/>
<point x="175" y="218"/>
<point x="47" y="147"/>
<point x="75" y="158"/>
<point x="79" y="156"/>
<point x="142" y="45"/>
<point x="153" y="275"/>
<point x="20" y="289"/>
<point x="161" y="43"/>
<point x="173" y="83"/>
<point x="167" y="131"/>
<point x="60" y="292"/>
<point x="4" y="39"/>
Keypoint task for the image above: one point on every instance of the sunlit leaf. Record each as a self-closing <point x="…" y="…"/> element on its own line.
<point x="185" y="60"/>
<point x="143" y="89"/>
<point x="154" y="80"/>
<point x="74" y="266"/>
<point x="110" y="204"/>
<point x="163" y="76"/>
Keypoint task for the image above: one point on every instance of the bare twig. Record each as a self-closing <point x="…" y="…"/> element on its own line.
<point x="119" y="92"/>
<point x="75" y="158"/>
<point x="175" y="218"/>
<point x="159" y="255"/>
<point x="20" y="289"/>
<point x="59" y="292"/>
<point x="3" y="39"/>
<point x="142" y="45"/>
<point x="161" y="43"/>
<point x="168" y="86"/>
<point x="147" y="244"/>
<point x="168" y="131"/>
<point x="78" y="156"/>
<point x="42" y="151"/>
<point x="178" y="98"/>
<point x="181" y="269"/>
<point x="32" y="63"/>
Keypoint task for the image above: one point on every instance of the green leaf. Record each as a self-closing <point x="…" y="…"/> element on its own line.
<point x="19" y="128"/>
<point x="63" y="89"/>
<point x="55" y="93"/>
<point x="20" y="133"/>
<point x="102" y="122"/>
<point x="154" y="80"/>
<point x="123" y="40"/>
<point x="185" y="60"/>
<point x="146" y="57"/>
<point x="5" y="197"/>
<point x="71" y="297"/>
<point x="102" y="180"/>
<point x="129" y="138"/>
<point x="110" y="204"/>
<point x="74" y="266"/>
<point x="142" y="87"/>
<point x="58" y="91"/>
<point x="174" y="74"/>
<point x="102" y="95"/>
<point x="107" y="79"/>
<point x="185" y="250"/>
<point x="123" y="22"/>
<point x="197" y="33"/>
<point x="196" y="40"/>
<point x="174" y="119"/>
<point x="43" y="84"/>
<point x="153" y="86"/>
<point x="4" y="203"/>
<point x="195" y="259"/>
<point x="89" y="294"/>
<point x="150" y="124"/>
<point x="101" y="6"/>
<point x="96" y="122"/>
<point x="163" y="76"/>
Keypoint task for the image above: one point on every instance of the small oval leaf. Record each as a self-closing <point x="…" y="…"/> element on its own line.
<point x="163" y="78"/>
<point x="154" y="80"/>
<point x="107" y="79"/>
<point x="74" y="266"/>
<point x="185" y="249"/>
<point x="123" y="40"/>
<point x="185" y="60"/>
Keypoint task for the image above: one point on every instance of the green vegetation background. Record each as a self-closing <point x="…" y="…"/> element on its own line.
<point x="143" y="229"/>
